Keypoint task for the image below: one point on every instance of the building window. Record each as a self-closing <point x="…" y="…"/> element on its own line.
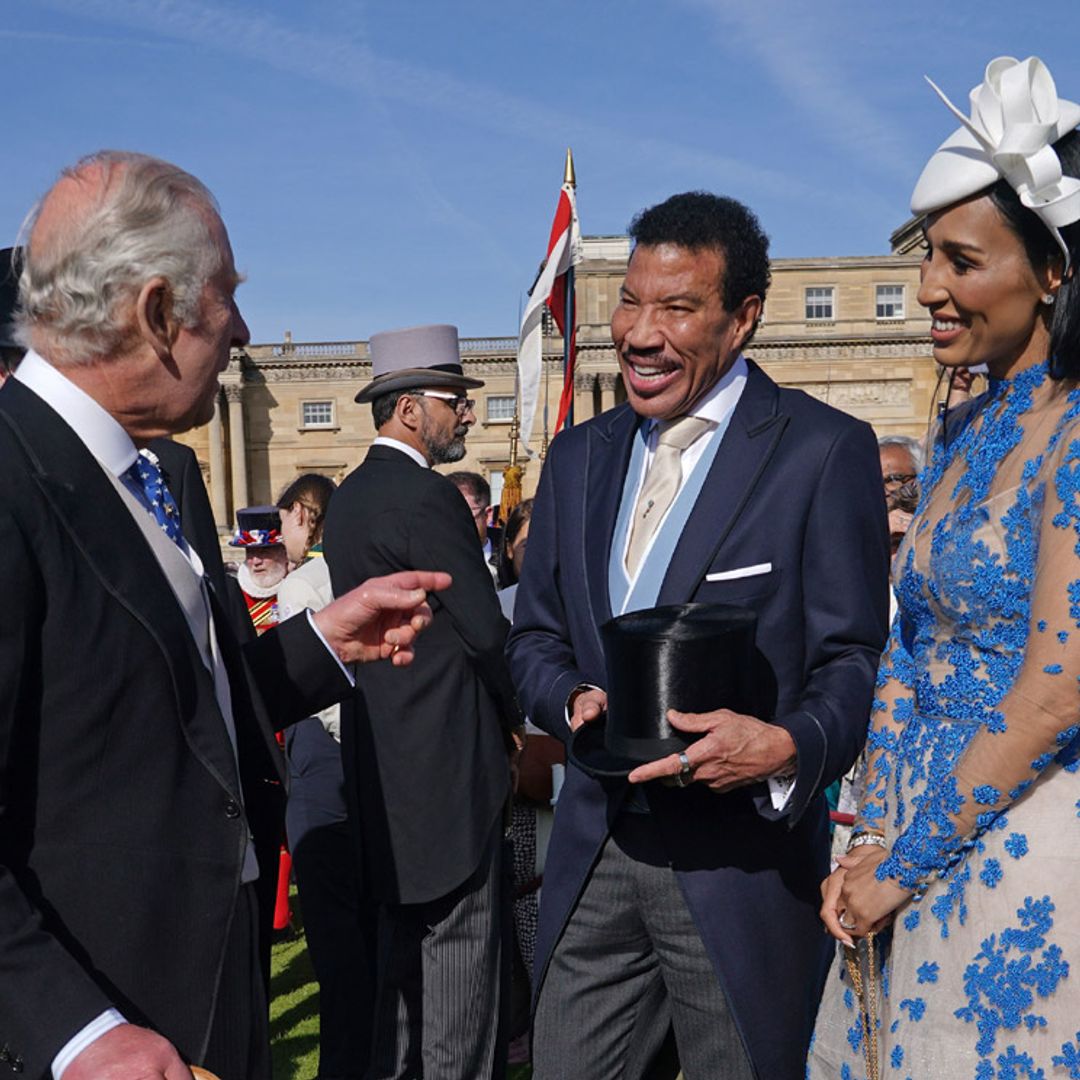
<point x="819" y="302"/>
<point x="890" y="301"/>
<point x="317" y="414"/>
<point x="500" y="408"/>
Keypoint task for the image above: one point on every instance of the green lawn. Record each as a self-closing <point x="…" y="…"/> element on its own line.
<point x="294" y="1011"/>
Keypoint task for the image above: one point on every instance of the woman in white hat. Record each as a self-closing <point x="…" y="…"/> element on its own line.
<point x="958" y="903"/>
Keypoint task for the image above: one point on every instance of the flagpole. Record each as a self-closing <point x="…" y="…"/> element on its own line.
<point x="570" y="313"/>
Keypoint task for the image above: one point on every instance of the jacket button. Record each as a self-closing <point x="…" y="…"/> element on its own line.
<point x="232" y="809"/>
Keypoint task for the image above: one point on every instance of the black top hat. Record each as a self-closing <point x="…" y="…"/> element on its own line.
<point x="689" y="657"/>
<point x="10" y="259"/>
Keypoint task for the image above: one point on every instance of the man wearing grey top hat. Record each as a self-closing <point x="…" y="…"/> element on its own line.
<point x="426" y="757"/>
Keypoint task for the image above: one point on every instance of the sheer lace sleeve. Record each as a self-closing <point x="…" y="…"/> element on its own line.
<point x="1036" y="722"/>
<point x="892" y="703"/>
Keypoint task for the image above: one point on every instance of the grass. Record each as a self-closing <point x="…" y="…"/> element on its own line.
<point x="294" y="1010"/>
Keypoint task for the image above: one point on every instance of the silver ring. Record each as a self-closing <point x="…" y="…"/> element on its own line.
<point x="685" y="775"/>
<point x="846" y="925"/>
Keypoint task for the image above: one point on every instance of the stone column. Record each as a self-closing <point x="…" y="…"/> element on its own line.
<point x="584" y="381"/>
<point x="218" y="481"/>
<point x="237" y="445"/>
<point x="608" y="380"/>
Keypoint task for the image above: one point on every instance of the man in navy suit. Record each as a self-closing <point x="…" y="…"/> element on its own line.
<point x="687" y="894"/>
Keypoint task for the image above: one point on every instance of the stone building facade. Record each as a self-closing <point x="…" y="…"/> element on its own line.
<point x="847" y="330"/>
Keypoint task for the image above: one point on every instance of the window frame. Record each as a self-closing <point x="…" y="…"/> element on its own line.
<point x="878" y="286"/>
<point x="819" y="301"/>
<point x="328" y="425"/>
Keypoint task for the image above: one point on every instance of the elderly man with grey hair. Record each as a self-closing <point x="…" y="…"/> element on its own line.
<point x="140" y="786"/>
<point x="901" y="462"/>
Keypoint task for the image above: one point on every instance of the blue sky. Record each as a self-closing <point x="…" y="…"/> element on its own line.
<point x="382" y="164"/>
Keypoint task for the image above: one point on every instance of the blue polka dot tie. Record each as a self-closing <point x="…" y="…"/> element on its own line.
<point x="146" y="474"/>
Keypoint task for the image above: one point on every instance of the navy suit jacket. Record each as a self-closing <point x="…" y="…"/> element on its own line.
<point x="795" y="484"/>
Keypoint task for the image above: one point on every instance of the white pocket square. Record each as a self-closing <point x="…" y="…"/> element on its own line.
<point x="742" y="571"/>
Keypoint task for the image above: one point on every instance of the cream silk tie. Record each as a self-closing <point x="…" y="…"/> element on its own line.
<point x="662" y="483"/>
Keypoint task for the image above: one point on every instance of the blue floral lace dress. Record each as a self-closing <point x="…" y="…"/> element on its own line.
<point x="972" y="758"/>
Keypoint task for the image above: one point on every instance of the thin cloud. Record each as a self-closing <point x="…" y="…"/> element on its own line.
<point x="806" y="56"/>
<point x="351" y="65"/>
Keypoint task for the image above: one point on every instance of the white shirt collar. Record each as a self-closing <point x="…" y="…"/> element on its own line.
<point x="405" y="448"/>
<point x="98" y="430"/>
<point x="722" y="397"/>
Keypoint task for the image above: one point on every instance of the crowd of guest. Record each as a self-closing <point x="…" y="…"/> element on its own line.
<point x="682" y="643"/>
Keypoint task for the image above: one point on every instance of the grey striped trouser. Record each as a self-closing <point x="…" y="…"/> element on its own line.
<point x="444" y="981"/>
<point x="629" y="964"/>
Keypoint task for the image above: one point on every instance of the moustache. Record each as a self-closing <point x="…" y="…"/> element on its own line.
<point x="656" y="356"/>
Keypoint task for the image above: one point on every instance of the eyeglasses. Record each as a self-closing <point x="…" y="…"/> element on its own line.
<point x="899" y="478"/>
<point x="458" y="402"/>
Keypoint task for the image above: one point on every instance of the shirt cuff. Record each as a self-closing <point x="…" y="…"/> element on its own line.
<point x="580" y="686"/>
<point x="337" y="659"/>
<point x="781" y="788"/>
<point x="109" y="1019"/>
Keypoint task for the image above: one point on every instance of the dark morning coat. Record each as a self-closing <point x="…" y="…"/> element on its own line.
<point x="795" y="484"/>
<point x="121" y="827"/>
<point x="424" y="749"/>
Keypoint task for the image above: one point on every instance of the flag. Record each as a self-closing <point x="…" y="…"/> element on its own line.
<point x="550" y="288"/>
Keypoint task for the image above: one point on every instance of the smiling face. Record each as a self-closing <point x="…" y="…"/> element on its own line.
<point x="982" y="292"/>
<point x="672" y="334"/>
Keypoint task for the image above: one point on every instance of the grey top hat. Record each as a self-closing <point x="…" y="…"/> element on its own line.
<point x="413" y="358"/>
<point x="10" y="259"/>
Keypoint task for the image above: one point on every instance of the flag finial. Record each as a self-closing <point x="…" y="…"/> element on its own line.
<point x="568" y="175"/>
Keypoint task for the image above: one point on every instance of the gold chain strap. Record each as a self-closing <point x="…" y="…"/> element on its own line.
<point x="868" y="999"/>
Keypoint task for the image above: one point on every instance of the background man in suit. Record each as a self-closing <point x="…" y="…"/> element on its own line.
<point x="699" y="902"/>
<point x="140" y="790"/>
<point x="426" y="757"/>
<point x="476" y="491"/>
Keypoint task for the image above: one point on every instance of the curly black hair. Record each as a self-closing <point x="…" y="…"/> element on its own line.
<point x="699" y="220"/>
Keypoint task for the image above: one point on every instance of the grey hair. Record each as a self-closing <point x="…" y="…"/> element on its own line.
<point x="905" y="442"/>
<point x="153" y="219"/>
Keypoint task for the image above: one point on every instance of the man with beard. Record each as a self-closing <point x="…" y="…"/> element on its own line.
<point x="266" y="562"/>
<point x="426" y="757"/>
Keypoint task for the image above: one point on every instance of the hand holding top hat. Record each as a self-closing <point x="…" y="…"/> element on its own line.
<point x="676" y="702"/>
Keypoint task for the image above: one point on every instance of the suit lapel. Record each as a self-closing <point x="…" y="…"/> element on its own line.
<point x="102" y="528"/>
<point x="747" y="446"/>
<point x="608" y="453"/>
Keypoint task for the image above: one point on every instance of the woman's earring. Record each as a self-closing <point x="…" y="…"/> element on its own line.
<point x="1049" y="298"/>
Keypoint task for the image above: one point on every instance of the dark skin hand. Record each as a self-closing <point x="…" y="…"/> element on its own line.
<point x="735" y="750"/>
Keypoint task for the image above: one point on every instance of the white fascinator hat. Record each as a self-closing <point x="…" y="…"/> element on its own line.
<point x="1016" y="117"/>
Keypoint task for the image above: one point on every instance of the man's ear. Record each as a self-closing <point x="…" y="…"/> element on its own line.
<point x="154" y="314"/>
<point x="408" y="412"/>
<point x="746" y="318"/>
